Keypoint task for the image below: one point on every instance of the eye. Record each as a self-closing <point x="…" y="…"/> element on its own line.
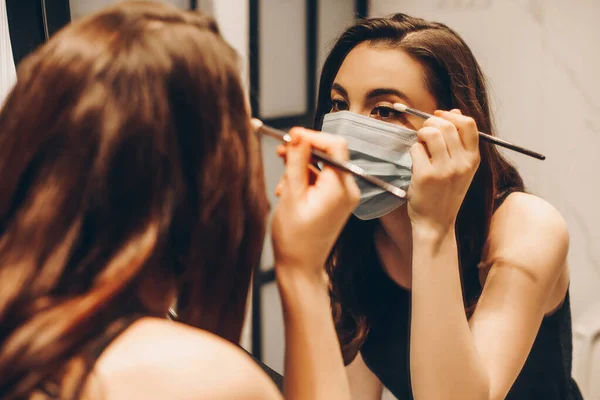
<point x="338" y="105"/>
<point x="387" y="113"/>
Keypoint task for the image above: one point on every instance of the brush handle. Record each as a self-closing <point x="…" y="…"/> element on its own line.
<point x="483" y="136"/>
<point x="342" y="165"/>
<point x="508" y="145"/>
<point x="357" y="171"/>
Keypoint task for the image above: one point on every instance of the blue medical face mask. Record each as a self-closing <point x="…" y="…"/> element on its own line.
<point x="381" y="149"/>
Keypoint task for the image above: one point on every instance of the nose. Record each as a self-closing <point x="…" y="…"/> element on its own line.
<point x="358" y="109"/>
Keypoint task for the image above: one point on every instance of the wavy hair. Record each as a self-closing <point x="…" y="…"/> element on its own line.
<point x="455" y="79"/>
<point x="125" y="151"/>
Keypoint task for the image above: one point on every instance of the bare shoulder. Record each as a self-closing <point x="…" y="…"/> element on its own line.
<point x="518" y="206"/>
<point x="530" y="235"/>
<point x="530" y="220"/>
<point x="158" y="359"/>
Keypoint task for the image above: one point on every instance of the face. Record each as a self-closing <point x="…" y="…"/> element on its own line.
<point x="370" y="80"/>
<point x="373" y="77"/>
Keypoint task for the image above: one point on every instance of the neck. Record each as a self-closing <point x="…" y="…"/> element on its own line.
<point x="393" y="241"/>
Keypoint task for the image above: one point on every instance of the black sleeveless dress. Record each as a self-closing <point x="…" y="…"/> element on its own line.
<point x="546" y="374"/>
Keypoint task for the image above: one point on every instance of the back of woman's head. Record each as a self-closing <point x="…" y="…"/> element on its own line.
<point x="454" y="78"/>
<point x="125" y="152"/>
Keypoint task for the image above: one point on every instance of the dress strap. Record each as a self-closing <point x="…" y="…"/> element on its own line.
<point x="503" y="195"/>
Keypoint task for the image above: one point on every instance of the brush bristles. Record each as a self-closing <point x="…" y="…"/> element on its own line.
<point x="400" y="107"/>
<point x="256" y="123"/>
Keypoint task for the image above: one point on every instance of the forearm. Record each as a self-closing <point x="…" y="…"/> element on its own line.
<point x="314" y="368"/>
<point x="444" y="361"/>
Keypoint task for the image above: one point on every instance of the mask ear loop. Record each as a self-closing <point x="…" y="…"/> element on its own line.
<point x="45" y="20"/>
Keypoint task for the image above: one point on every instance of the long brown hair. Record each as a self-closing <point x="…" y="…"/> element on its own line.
<point x="455" y="79"/>
<point x="125" y="150"/>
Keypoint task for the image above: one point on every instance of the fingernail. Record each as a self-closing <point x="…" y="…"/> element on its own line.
<point x="438" y="113"/>
<point x="294" y="139"/>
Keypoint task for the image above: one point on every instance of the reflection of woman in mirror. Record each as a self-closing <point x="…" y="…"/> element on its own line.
<point x="131" y="178"/>
<point x="462" y="292"/>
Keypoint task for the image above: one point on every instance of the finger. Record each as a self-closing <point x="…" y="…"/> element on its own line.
<point x="279" y="189"/>
<point x="420" y="158"/>
<point x="281" y="185"/>
<point x="466" y="128"/>
<point x="313" y="174"/>
<point x="298" y="158"/>
<point x="332" y="181"/>
<point x="337" y="147"/>
<point x="313" y="169"/>
<point x="450" y="134"/>
<point x="281" y="151"/>
<point x="433" y="139"/>
<point x="438" y="113"/>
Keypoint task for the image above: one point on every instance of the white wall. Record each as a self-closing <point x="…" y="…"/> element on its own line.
<point x="8" y="75"/>
<point x="233" y="19"/>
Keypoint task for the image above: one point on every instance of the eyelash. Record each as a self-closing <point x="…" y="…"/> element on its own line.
<point x="335" y="105"/>
<point x="392" y="113"/>
<point x="395" y="115"/>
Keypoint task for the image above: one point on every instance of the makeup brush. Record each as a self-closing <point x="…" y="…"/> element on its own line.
<point x="326" y="159"/>
<point x="483" y="136"/>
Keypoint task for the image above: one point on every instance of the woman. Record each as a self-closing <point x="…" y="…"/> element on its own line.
<point x="131" y="179"/>
<point x="462" y="292"/>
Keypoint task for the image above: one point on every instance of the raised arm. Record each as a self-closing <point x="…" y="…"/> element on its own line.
<point x="452" y="358"/>
<point x="313" y="208"/>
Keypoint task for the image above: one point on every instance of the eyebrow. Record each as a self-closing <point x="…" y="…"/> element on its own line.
<point x="379" y="92"/>
<point x="374" y="93"/>
<point x="340" y="88"/>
